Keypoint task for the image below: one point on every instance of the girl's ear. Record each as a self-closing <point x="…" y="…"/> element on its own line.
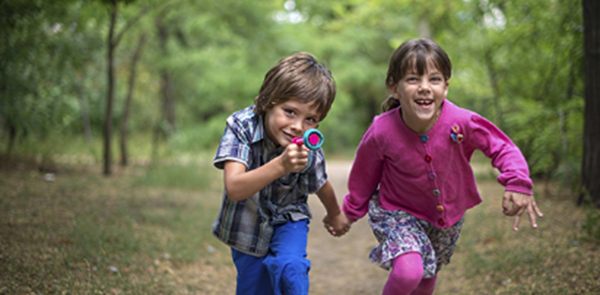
<point x="446" y="89"/>
<point x="393" y="91"/>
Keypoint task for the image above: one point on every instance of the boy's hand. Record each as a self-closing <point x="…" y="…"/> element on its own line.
<point x="520" y="203"/>
<point x="337" y="225"/>
<point x="294" y="158"/>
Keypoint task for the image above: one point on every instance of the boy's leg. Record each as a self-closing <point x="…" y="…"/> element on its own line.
<point x="286" y="262"/>
<point x="252" y="275"/>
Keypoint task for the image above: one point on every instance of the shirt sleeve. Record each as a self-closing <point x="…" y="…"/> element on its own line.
<point x="505" y="155"/>
<point x="234" y="145"/>
<point x="364" y="177"/>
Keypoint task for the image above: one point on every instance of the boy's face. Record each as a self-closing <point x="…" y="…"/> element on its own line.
<point x="290" y="119"/>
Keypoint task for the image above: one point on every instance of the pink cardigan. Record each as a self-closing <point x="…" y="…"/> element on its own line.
<point x="429" y="175"/>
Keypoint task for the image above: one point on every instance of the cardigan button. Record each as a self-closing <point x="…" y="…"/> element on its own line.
<point x="436" y="192"/>
<point x="424" y="138"/>
<point x="440" y="208"/>
<point x="428" y="158"/>
<point x="441" y="222"/>
<point x="432" y="176"/>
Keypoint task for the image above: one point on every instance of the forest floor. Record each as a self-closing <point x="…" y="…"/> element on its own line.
<point x="81" y="233"/>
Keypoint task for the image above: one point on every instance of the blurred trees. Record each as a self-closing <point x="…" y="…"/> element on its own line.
<point x="517" y="62"/>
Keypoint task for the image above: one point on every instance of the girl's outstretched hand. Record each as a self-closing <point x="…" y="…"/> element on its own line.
<point x="520" y="203"/>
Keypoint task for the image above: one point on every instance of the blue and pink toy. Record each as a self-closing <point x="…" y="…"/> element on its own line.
<point x="312" y="138"/>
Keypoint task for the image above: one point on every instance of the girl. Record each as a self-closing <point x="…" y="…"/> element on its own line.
<point x="412" y="174"/>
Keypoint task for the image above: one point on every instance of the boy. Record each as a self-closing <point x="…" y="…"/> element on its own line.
<point x="264" y="215"/>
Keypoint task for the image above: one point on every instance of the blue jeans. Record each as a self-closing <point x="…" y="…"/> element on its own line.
<point x="284" y="269"/>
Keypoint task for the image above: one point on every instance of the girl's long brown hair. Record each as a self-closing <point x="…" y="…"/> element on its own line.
<point x="414" y="54"/>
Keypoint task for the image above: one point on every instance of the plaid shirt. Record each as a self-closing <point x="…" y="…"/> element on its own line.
<point x="247" y="225"/>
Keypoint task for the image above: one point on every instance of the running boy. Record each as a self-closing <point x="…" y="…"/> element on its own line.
<point x="264" y="214"/>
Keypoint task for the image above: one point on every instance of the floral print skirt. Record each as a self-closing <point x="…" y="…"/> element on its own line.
<point x="399" y="232"/>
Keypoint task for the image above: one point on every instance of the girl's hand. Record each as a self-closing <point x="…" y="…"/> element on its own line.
<point x="520" y="203"/>
<point x="294" y="158"/>
<point x="337" y="225"/>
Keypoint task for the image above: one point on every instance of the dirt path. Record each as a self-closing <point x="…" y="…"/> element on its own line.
<point x="341" y="265"/>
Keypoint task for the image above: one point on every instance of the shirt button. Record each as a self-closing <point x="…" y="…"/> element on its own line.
<point x="424" y="138"/>
<point x="436" y="192"/>
<point x="427" y="158"/>
<point x="432" y="176"/>
<point x="441" y="222"/>
<point x="440" y="208"/>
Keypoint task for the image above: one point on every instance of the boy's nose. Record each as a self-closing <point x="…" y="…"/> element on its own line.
<point x="296" y="125"/>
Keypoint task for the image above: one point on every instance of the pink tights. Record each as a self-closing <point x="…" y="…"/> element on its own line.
<point x="406" y="277"/>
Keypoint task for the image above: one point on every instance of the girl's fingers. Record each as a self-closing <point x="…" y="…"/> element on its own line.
<point x="518" y="218"/>
<point x="531" y="212"/>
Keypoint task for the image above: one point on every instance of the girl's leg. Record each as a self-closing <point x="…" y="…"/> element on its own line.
<point x="426" y="287"/>
<point x="252" y="275"/>
<point x="286" y="262"/>
<point x="406" y="274"/>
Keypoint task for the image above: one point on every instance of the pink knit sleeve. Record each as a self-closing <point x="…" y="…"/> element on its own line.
<point x="505" y="155"/>
<point x="364" y="176"/>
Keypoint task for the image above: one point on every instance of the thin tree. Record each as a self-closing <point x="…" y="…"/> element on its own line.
<point x="590" y="168"/>
<point x="125" y="119"/>
<point x="113" y="41"/>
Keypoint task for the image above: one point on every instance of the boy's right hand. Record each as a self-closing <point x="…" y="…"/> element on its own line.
<point x="337" y="225"/>
<point x="294" y="158"/>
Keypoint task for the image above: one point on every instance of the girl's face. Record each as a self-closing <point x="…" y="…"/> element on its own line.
<point x="421" y="97"/>
<point x="290" y="119"/>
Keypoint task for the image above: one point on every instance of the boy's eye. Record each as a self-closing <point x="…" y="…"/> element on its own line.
<point x="436" y="79"/>
<point x="312" y="120"/>
<point x="288" y="111"/>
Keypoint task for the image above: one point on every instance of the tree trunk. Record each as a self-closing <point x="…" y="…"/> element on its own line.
<point x="167" y="89"/>
<point x="590" y="168"/>
<point x="125" y="119"/>
<point x="493" y="77"/>
<point x="85" y="115"/>
<point x="111" y="91"/>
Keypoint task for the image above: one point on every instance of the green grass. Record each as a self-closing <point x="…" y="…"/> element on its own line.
<point x="146" y="230"/>
<point x="132" y="233"/>
<point x="556" y="258"/>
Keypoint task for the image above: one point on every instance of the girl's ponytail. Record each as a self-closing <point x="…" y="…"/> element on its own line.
<point x="390" y="103"/>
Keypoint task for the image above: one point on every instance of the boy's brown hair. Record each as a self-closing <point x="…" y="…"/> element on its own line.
<point x="299" y="76"/>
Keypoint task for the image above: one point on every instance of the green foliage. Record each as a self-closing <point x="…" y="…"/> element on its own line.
<point x="516" y="62"/>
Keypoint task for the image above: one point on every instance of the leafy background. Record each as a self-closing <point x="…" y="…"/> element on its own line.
<point x="516" y="62"/>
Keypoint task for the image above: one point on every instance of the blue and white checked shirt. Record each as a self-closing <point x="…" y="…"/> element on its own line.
<point x="247" y="225"/>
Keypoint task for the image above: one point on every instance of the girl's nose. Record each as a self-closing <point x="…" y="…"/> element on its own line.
<point x="424" y="86"/>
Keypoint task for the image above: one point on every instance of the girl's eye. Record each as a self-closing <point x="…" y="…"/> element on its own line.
<point x="436" y="79"/>
<point x="289" y="112"/>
